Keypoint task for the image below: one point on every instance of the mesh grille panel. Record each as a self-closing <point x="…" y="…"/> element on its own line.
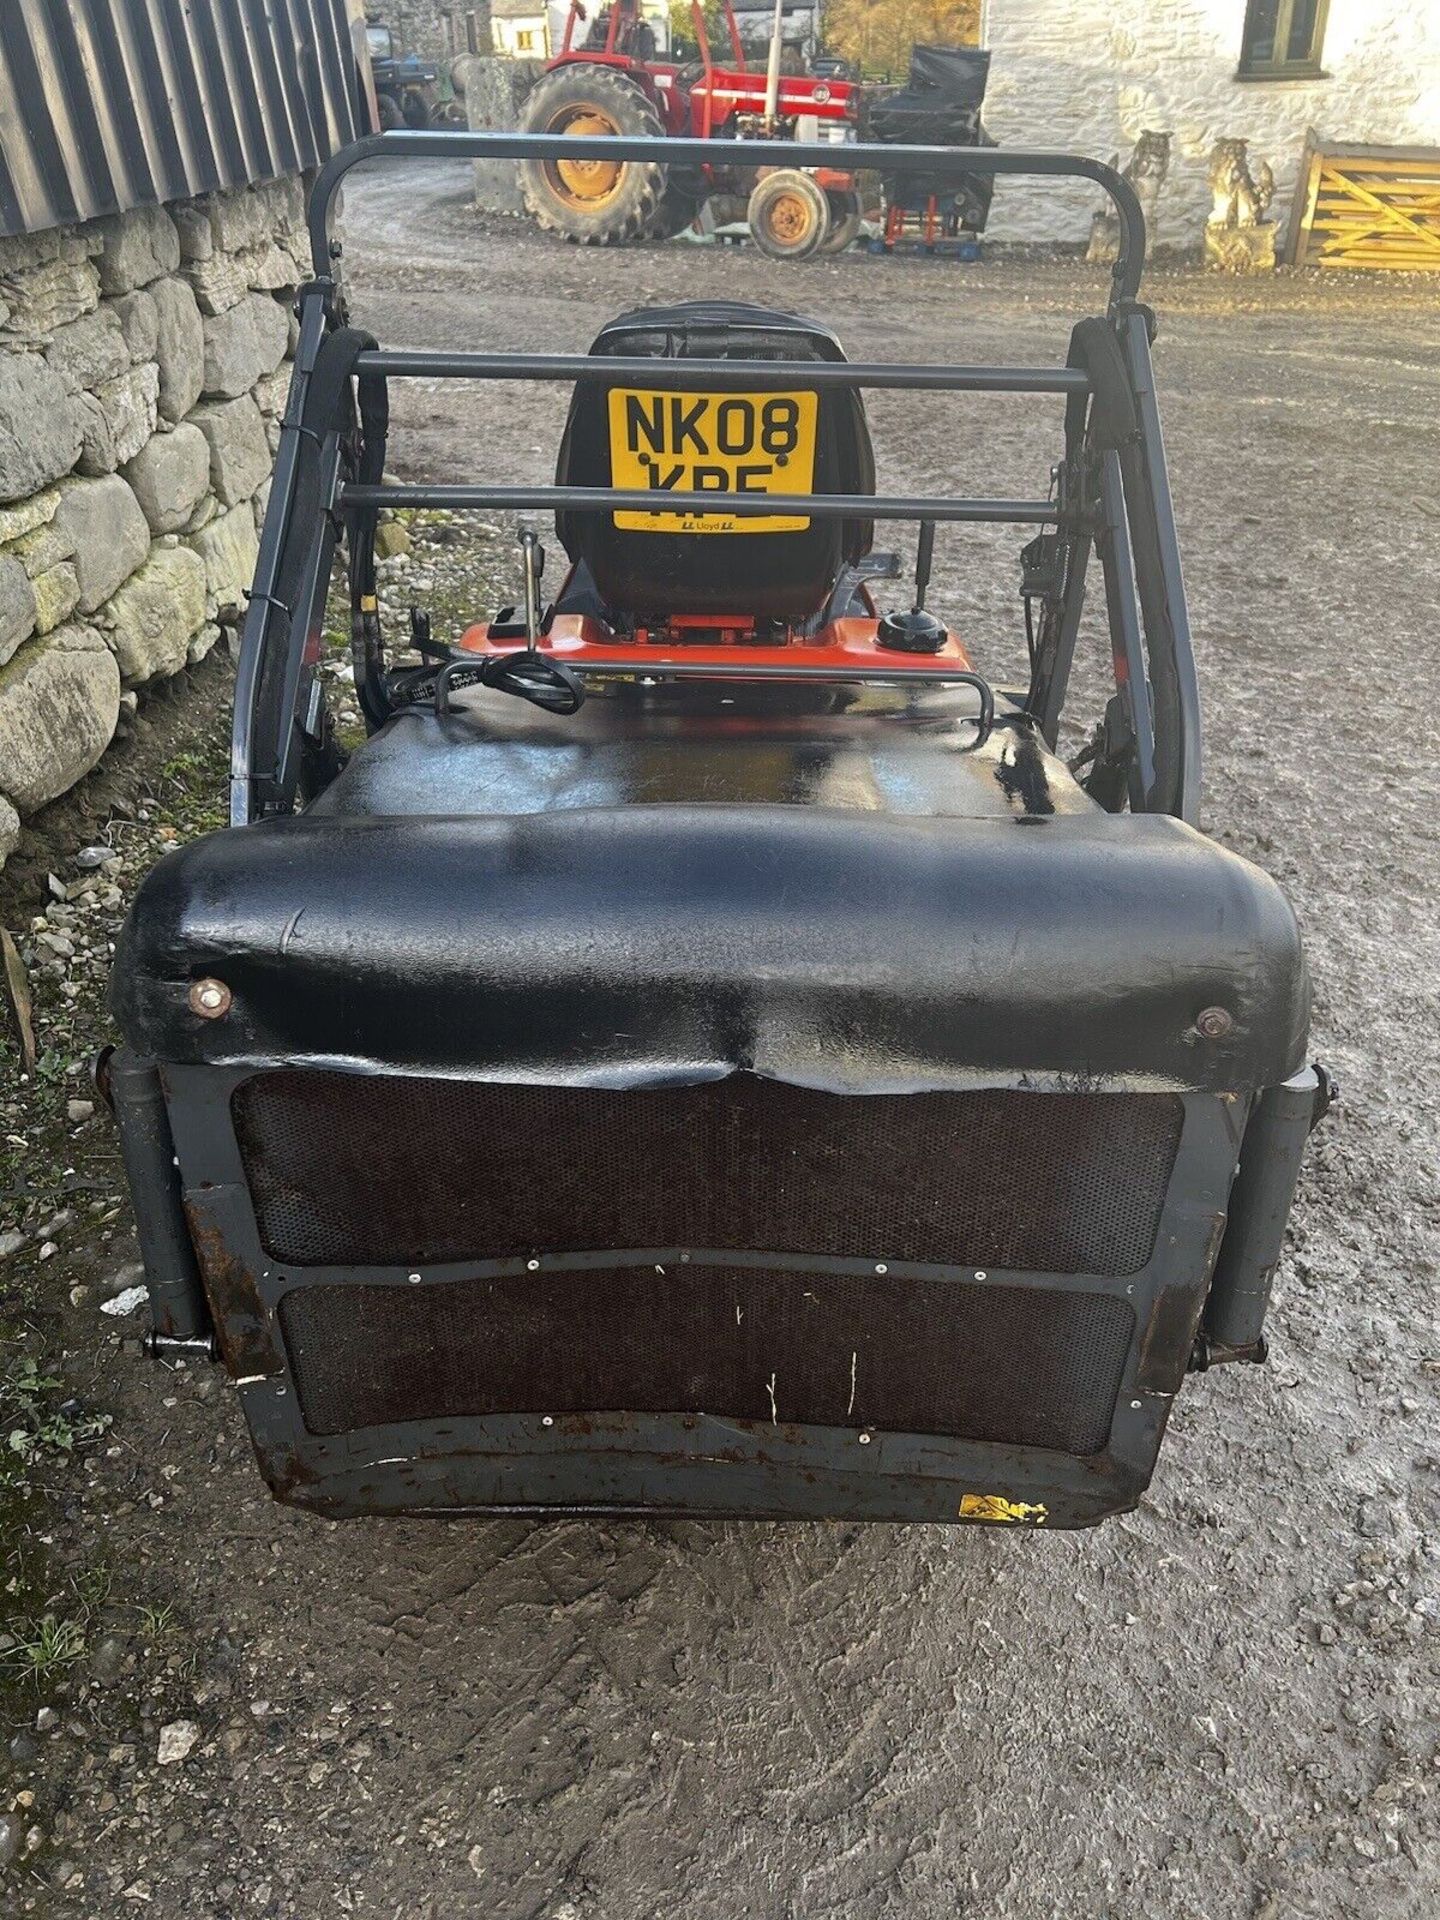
<point x="348" y="1169"/>
<point x="1023" y="1366"/>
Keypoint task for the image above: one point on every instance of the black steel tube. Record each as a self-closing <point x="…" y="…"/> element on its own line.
<point x="670" y="669"/>
<point x="262" y="616"/>
<point x="178" y="1309"/>
<point x="1160" y="586"/>
<point x="947" y="162"/>
<point x="1126" y="648"/>
<point x="1233" y="1323"/>
<point x="756" y="373"/>
<point x="822" y="506"/>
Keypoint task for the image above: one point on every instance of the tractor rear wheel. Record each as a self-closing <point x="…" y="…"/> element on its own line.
<point x="845" y="217"/>
<point x="788" y="215"/>
<point x="685" y="193"/>
<point x="593" y="203"/>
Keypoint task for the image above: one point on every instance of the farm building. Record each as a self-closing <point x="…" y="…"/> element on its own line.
<point x="1091" y="75"/>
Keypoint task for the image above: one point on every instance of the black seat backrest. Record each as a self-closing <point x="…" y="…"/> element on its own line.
<point x="783" y="574"/>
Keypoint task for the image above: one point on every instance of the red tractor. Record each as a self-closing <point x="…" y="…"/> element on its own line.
<point x="606" y="80"/>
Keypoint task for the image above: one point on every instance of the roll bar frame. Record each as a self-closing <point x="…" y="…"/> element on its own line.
<point x="1114" y="500"/>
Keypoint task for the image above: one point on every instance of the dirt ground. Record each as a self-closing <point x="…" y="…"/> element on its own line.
<point x="1222" y="1707"/>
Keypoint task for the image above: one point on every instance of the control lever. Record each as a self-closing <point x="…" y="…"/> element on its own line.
<point x="924" y="554"/>
<point x="534" y="561"/>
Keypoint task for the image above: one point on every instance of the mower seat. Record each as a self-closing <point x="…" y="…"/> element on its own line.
<point x="728" y="435"/>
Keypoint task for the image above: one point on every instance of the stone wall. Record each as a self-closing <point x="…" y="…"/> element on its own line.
<point x="435" y="29"/>
<point x="142" y="375"/>
<point x="496" y="89"/>
<point x="1090" y="74"/>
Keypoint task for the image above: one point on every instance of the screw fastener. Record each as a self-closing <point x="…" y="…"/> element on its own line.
<point x="210" y="999"/>
<point x="1214" y="1023"/>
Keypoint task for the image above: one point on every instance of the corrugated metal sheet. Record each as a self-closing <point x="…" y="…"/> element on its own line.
<point x="107" y="104"/>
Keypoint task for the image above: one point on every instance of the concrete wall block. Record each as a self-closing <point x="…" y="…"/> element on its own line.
<point x="151" y="621"/>
<point x="118" y="418"/>
<point x="179" y="349"/>
<point x="59" y="701"/>
<point x="17" y="606"/>
<point x="139" y="322"/>
<point x="89" y="351"/>
<point x="170" y="475"/>
<point x="137" y="247"/>
<point x="57" y="594"/>
<point x="239" y="454"/>
<point x="40" y="425"/>
<point x="111" y="534"/>
<point x="42" y="298"/>
<point x="228" y="549"/>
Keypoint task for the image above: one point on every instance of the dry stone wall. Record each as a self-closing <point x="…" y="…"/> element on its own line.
<point x="143" y="371"/>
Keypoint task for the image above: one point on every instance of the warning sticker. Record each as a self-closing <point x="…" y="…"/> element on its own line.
<point x="712" y="443"/>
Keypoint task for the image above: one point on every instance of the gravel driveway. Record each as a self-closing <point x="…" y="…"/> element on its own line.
<point x="1221" y="1707"/>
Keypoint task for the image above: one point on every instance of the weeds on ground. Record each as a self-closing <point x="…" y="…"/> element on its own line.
<point x="42" y="1648"/>
<point x="61" y="1188"/>
<point x="34" y="1425"/>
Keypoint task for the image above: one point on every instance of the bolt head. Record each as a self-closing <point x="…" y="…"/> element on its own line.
<point x="1214" y="1023"/>
<point x="210" y="999"/>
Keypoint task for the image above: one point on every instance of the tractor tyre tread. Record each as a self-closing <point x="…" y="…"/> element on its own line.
<point x="646" y="188"/>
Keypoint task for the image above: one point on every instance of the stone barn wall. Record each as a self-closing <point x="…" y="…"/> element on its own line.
<point x="435" y="29"/>
<point x="142" y="375"/>
<point x="1089" y="75"/>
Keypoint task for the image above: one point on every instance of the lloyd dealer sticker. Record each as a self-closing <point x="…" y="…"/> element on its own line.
<point x="712" y="443"/>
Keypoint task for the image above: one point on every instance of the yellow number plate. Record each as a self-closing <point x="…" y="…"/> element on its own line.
<point x="712" y="443"/>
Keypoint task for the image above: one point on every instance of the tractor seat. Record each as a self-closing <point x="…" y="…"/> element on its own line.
<point x="718" y="436"/>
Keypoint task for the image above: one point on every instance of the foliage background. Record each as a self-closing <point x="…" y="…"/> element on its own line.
<point x="876" y="35"/>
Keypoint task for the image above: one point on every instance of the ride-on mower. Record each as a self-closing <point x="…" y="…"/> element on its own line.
<point x="607" y="81"/>
<point x="709" y="1050"/>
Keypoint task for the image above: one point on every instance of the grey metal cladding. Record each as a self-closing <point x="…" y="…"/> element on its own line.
<point x="109" y="104"/>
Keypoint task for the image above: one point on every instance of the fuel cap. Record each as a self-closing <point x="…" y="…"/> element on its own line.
<point x="914" y="632"/>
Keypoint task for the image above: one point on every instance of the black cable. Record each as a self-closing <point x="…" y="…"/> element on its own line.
<point x="526" y="674"/>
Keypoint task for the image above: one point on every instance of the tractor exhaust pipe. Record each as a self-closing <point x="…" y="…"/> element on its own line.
<point x="772" y="68"/>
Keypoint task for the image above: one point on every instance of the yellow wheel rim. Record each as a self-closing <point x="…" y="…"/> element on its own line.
<point x="586" y="185"/>
<point x="789" y="218"/>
